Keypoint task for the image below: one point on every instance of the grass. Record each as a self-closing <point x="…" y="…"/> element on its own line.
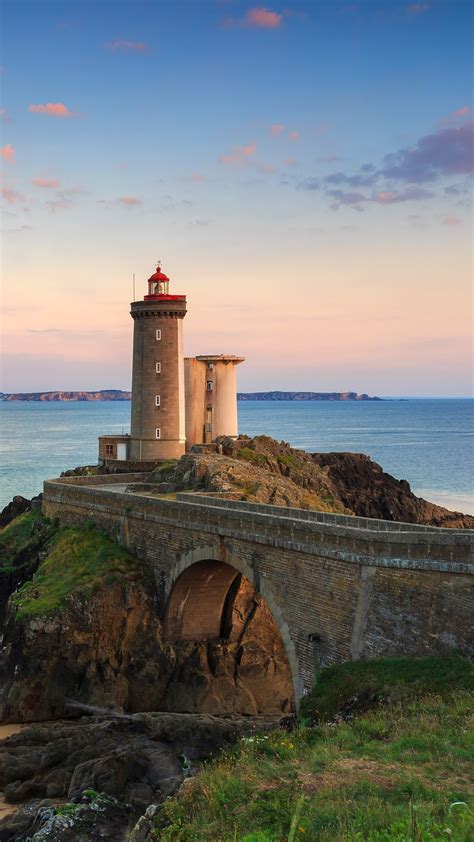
<point x="15" y="537"/>
<point x="384" y="679"/>
<point x="396" y="773"/>
<point x="78" y="561"/>
<point x="249" y="455"/>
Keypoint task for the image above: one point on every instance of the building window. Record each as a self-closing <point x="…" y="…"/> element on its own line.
<point x="109" y="450"/>
<point x="210" y="366"/>
<point x="158" y="368"/>
<point x="158" y="433"/>
<point x="157" y="400"/>
<point x="209" y="386"/>
<point x="158" y="334"/>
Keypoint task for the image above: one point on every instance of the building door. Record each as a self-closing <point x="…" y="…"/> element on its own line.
<point x="121" y="450"/>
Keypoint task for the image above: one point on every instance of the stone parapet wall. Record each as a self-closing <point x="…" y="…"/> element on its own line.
<point x="336" y="591"/>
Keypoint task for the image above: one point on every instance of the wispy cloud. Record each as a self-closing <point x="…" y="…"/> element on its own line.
<point x="461" y="112"/>
<point x="451" y="220"/>
<point x="294" y="135"/>
<point x="4" y="115"/>
<point x="198" y="177"/>
<point x="415" y="9"/>
<point x="45" y="182"/>
<point x="122" y="45"/>
<point x="277" y="129"/>
<point x="12" y="197"/>
<point x="52" y="109"/>
<point x="290" y="162"/>
<point x="240" y="155"/>
<point x="8" y="153"/>
<point x="130" y="201"/>
<point x="258" y="18"/>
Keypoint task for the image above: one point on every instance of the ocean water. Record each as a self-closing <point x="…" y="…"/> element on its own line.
<point x="429" y="442"/>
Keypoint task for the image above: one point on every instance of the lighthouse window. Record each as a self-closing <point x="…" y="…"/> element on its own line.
<point x="158" y="433"/>
<point x="209" y="385"/>
<point x="157" y="400"/>
<point x="210" y="366"/>
<point x="208" y="428"/>
<point x="158" y="368"/>
<point x="158" y="334"/>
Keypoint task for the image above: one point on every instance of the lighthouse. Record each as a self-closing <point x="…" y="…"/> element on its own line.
<point x="158" y="414"/>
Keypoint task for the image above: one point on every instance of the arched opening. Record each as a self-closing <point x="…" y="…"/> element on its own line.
<point x="228" y="652"/>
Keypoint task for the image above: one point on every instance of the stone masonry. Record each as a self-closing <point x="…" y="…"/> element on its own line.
<point x="339" y="587"/>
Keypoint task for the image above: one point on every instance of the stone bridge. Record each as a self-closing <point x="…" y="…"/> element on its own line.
<point x="338" y="587"/>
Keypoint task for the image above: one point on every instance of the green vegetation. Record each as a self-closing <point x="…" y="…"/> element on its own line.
<point x="396" y="773"/>
<point x="357" y="683"/>
<point x="250" y="455"/>
<point x="16" y="537"/>
<point x="78" y="561"/>
<point x="287" y="459"/>
<point x="165" y="470"/>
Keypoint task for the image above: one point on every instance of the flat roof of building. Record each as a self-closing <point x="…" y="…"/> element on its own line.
<point x="218" y="358"/>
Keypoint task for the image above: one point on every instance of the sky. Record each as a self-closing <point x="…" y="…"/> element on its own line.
<point x="302" y="169"/>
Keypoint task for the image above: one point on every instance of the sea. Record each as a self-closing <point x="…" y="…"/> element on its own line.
<point x="428" y="442"/>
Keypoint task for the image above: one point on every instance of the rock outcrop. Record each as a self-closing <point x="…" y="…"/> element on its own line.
<point x="78" y="628"/>
<point x="263" y="470"/>
<point x="132" y="761"/>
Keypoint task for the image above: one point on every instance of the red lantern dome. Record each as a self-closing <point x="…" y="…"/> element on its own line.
<point x="158" y="286"/>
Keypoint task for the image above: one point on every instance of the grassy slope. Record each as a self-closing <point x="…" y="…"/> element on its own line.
<point x="77" y="561"/>
<point x="389" y="775"/>
<point x="15" y="537"/>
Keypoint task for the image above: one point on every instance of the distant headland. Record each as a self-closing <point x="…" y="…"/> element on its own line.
<point x="121" y="395"/>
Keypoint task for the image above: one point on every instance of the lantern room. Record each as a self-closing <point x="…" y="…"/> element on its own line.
<point x="158" y="284"/>
<point x="159" y="288"/>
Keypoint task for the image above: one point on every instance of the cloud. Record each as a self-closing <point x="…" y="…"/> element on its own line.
<point x="267" y="168"/>
<point x="198" y="177"/>
<point x="293" y="135"/>
<point x="388" y="197"/>
<point x="8" y="153"/>
<point x="130" y="201"/>
<point x="329" y="159"/>
<point x="461" y="112"/>
<point x="239" y="157"/>
<point x="258" y="18"/>
<point x="4" y="115"/>
<point x="290" y="162"/>
<point x="277" y="129"/>
<point x="121" y="45"/>
<point x="451" y="220"/>
<point x="445" y="152"/>
<point x="20" y="230"/>
<point x="52" y="109"/>
<point x="12" y="197"/>
<point x="417" y="9"/>
<point x="45" y="182"/>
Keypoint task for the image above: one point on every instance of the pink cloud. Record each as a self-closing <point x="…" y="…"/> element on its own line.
<point x="417" y="9"/>
<point x="290" y="162"/>
<point x="239" y="155"/>
<point x="258" y="17"/>
<point x="130" y="201"/>
<point x="126" y="46"/>
<point x="45" y="182"/>
<point x="11" y="196"/>
<point x="4" y="115"/>
<point x="268" y="168"/>
<point x="277" y="128"/>
<point x="462" y="112"/>
<point x="52" y="109"/>
<point x="198" y="177"/>
<point x="451" y="220"/>
<point x="293" y="135"/>
<point x="8" y="153"/>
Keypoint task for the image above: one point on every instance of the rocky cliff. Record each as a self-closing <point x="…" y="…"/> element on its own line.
<point x="263" y="470"/>
<point x="82" y="624"/>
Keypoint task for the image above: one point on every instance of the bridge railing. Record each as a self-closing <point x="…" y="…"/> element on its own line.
<point x="309" y="515"/>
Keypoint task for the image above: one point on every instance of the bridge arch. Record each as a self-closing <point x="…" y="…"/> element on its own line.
<point x="200" y="592"/>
